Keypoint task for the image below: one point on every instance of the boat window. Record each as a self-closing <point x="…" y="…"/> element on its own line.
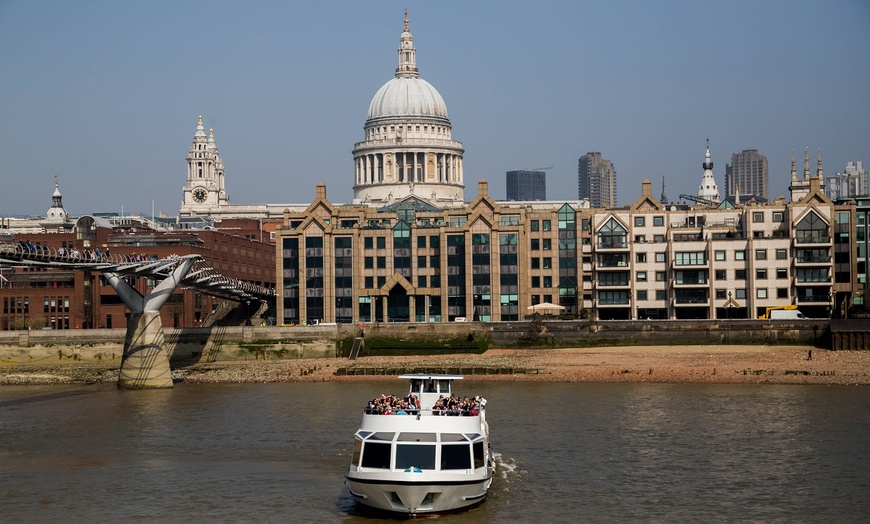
<point x="382" y="435"/>
<point x="415" y="456"/>
<point x="474" y="436"/>
<point x="478" y="454"/>
<point x="416" y="437"/>
<point x="364" y="434"/>
<point x="444" y="386"/>
<point x="376" y="455"/>
<point x="357" y="451"/>
<point x="452" y="437"/>
<point x="430" y="386"/>
<point x="416" y="385"/>
<point x="455" y="456"/>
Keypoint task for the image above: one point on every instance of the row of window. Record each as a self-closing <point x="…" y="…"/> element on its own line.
<point x="55" y="304"/>
<point x="700" y="277"/>
<point x="369" y="242"/>
<point x="382" y="131"/>
<point x="16" y="305"/>
<point x="640" y="221"/>
<point x="536" y="263"/>
<point x="622" y="297"/>
<point x="681" y="258"/>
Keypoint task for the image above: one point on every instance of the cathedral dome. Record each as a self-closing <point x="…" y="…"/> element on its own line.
<point x="407" y="96"/>
<point x="408" y="150"/>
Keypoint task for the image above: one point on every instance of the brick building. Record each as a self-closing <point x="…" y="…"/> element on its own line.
<point x="63" y="299"/>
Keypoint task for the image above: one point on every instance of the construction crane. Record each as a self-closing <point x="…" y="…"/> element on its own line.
<point x="699" y="200"/>
<point x="538" y="168"/>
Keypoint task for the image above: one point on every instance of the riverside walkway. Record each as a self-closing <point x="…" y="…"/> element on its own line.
<point x="145" y="362"/>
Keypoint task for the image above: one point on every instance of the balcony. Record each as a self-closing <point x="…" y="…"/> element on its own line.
<point x="692" y="298"/>
<point x="823" y="299"/>
<point x="730" y="235"/>
<point x="812" y="280"/>
<point x="688" y="237"/>
<point x="813" y="239"/>
<point x="612" y="264"/>
<point x="693" y="281"/>
<point x="611" y="243"/>
<point x="812" y="260"/>
<point x="612" y="283"/>
<point x="613" y="302"/>
<point x="613" y="298"/>
<point x="612" y="261"/>
<point x="692" y="301"/>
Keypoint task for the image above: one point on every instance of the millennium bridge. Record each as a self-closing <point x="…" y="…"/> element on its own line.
<point x="145" y="362"/>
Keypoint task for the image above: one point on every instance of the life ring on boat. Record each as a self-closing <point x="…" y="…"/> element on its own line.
<point x="413" y="469"/>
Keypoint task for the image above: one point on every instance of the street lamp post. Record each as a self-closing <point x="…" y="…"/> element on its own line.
<point x="730" y="305"/>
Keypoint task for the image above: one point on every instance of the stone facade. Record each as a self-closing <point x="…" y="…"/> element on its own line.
<point x="491" y="261"/>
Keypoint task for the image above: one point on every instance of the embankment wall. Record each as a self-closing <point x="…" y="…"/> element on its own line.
<point x="52" y="347"/>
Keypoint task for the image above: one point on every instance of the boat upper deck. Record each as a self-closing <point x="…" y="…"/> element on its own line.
<point x="430" y="395"/>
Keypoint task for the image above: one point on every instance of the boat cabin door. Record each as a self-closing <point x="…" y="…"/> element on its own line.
<point x="429" y="389"/>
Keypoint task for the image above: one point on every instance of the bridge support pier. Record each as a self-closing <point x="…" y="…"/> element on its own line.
<point x="145" y="363"/>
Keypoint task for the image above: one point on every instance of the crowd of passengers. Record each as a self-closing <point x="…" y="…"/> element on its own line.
<point x="410" y="405"/>
<point x="85" y="254"/>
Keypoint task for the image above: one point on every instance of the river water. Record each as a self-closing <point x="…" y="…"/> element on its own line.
<point x="566" y="452"/>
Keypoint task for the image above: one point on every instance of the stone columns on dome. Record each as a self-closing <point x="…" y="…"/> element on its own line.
<point x="410" y="166"/>
<point x="405" y="168"/>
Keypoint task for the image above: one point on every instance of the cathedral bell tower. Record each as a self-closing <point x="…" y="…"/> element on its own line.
<point x="204" y="191"/>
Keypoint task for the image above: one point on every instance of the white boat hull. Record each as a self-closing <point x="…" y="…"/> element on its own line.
<point x="417" y="498"/>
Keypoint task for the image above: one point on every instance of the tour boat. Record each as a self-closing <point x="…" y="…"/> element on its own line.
<point x="423" y="454"/>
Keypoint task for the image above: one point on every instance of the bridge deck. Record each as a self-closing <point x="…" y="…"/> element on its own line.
<point x="201" y="277"/>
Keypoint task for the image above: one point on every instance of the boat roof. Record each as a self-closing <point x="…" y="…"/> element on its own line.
<point x="430" y="375"/>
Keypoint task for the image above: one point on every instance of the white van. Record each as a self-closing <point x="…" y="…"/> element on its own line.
<point x="786" y="314"/>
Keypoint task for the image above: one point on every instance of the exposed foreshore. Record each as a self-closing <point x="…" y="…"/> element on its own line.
<point x="654" y="364"/>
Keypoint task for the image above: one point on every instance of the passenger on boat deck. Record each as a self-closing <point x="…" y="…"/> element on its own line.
<point x="410" y="405"/>
<point x="391" y="404"/>
<point x="456" y="407"/>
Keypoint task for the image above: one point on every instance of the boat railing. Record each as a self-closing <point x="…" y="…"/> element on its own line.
<point x="471" y="412"/>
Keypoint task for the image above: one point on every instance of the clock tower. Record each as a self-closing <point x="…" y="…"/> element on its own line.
<point x="204" y="191"/>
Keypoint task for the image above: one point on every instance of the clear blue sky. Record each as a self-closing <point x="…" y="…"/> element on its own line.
<point x="105" y="94"/>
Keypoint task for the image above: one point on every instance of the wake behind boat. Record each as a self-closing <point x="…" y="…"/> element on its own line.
<point x="426" y="452"/>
